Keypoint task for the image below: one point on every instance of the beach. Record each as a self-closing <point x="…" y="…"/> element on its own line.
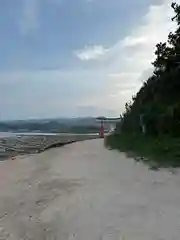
<point x="14" y="144"/>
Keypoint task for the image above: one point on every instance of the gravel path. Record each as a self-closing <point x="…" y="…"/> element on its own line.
<point x="85" y="192"/>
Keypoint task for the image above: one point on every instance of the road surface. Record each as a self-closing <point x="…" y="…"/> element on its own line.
<point x="85" y="192"/>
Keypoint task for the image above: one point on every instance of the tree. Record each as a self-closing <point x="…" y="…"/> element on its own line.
<point x="159" y="92"/>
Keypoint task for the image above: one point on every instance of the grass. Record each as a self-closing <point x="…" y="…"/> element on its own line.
<point x="161" y="151"/>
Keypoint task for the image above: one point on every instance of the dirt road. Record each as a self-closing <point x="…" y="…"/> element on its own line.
<point x="85" y="192"/>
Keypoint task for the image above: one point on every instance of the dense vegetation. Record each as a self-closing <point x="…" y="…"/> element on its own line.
<point x="153" y="115"/>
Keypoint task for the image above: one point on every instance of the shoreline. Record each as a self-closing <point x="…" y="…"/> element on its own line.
<point x="14" y="146"/>
<point x="22" y="144"/>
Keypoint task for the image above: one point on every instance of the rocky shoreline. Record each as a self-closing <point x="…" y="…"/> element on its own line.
<point x="23" y="145"/>
<point x="33" y="144"/>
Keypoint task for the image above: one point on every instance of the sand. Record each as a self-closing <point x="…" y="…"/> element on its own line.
<point x="86" y="192"/>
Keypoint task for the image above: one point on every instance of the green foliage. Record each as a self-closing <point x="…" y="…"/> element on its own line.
<point x="150" y="125"/>
<point x="158" y="100"/>
<point x="162" y="151"/>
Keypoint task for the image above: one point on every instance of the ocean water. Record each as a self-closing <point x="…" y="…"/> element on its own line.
<point x="6" y="134"/>
<point x="10" y="134"/>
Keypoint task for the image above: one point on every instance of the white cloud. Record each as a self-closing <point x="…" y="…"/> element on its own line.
<point x="91" y="52"/>
<point x="131" y="41"/>
<point x="109" y="82"/>
<point x="49" y="92"/>
<point x="128" y="62"/>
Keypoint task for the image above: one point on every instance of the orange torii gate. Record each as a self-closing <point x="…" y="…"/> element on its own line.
<point x="103" y="120"/>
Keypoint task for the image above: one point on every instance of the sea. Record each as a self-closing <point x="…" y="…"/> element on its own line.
<point x="12" y="134"/>
<point x="6" y="134"/>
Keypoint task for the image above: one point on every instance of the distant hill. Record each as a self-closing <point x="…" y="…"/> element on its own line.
<point x="77" y="125"/>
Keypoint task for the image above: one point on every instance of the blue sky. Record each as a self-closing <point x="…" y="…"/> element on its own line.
<point x="66" y="58"/>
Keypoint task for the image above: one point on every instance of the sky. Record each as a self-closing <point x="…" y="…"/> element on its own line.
<point x="69" y="58"/>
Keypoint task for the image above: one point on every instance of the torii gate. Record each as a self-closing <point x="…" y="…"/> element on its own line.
<point x="102" y="120"/>
<point x="101" y="132"/>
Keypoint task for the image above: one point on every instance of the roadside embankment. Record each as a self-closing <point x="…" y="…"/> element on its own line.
<point x="162" y="151"/>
